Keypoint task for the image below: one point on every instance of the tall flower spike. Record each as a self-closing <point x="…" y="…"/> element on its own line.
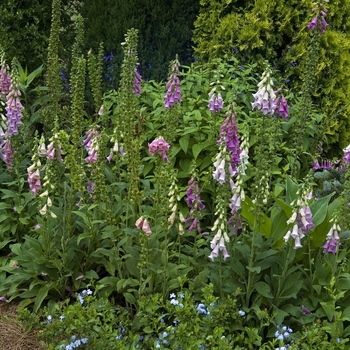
<point x="265" y="97"/>
<point x="319" y="20"/>
<point x="137" y="82"/>
<point x="173" y="86"/>
<point x="194" y="203"/>
<point x="301" y="219"/>
<point x="159" y="146"/>
<point x="332" y="239"/>
<point x="13" y="108"/>
<point x="215" y="102"/>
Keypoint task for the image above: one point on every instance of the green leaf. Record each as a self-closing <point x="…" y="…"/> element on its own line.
<point x="319" y="209"/>
<point x="42" y="294"/>
<point x="256" y="269"/>
<point x="184" y="141"/>
<point x="263" y="289"/>
<point x="129" y="298"/>
<point x="291" y="191"/>
<point x="196" y="149"/>
<point x="279" y="315"/>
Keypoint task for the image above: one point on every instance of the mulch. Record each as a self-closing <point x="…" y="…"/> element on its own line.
<point x="12" y="333"/>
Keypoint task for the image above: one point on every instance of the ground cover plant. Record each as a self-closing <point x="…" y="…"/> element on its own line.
<point x="195" y="213"/>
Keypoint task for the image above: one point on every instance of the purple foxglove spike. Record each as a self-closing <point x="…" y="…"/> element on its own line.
<point x="324" y="23"/>
<point x="313" y="23"/>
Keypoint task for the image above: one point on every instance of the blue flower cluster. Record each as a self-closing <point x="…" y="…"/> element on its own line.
<point x="202" y="309"/>
<point x="81" y="295"/>
<point x="281" y="334"/>
<point x="175" y="301"/>
<point x="162" y="340"/>
<point x="75" y="343"/>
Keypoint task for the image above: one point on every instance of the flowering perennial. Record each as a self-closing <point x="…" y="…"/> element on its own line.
<point x="215" y="102"/>
<point x="218" y="243"/>
<point x="54" y="150"/>
<point x="319" y="21"/>
<point x="195" y="204"/>
<point x="346" y="157"/>
<point x="34" y="177"/>
<point x="229" y="135"/>
<point x="5" y="79"/>
<point x="264" y="98"/>
<point x="138" y="77"/>
<point x="301" y="220"/>
<point x="91" y="145"/>
<point x="282" y="107"/>
<point x="160" y="146"/>
<point x="332" y="239"/>
<point x="173" y="86"/>
<point x="324" y="164"/>
<point x="143" y="224"/>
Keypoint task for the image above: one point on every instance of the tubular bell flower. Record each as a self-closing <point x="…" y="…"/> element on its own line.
<point x="138" y="77"/>
<point x="282" y="107"/>
<point x="34" y="177"/>
<point x="159" y="146"/>
<point x="332" y="239"/>
<point x="195" y="204"/>
<point x="316" y="23"/>
<point x="5" y="79"/>
<point x="91" y="145"/>
<point x="215" y="103"/>
<point x="143" y="224"/>
<point x="346" y="157"/>
<point x="265" y="97"/>
<point x="301" y="220"/>
<point x="173" y="86"/>
<point x="229" y="135"/>
<point x="13" y="109"/>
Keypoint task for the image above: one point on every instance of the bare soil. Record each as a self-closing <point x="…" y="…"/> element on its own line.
<point x="12" y="334"/>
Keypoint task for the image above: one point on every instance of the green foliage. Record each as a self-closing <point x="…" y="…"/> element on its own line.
<point x="277" y="31"/>
<point x="165" y="29"/>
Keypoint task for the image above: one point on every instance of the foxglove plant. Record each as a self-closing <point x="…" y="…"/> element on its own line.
<point x="54" y="149"/>
<point x="34" y="180"/>
<point x="138" y="77"/>
<point x="332" y="238"/>
<point x="218" y="243"/>
<point x="264" y="98"/>
<point x="319" y="21"/>
<point x="7" y="153"/>
<point x="194" y="203"/>
<point x="173" y="86"/>
<point x="215" y="101"/>
<point x="159" y="146"/>
<point x="143" y="224"/>
<point x="91" y="145"/>
<point x="13" y="107"/>
<point x="5" y="78"/>
<point x="301" y="219"/>
<point x="346" y="157"/>
<point x="282" y="107"/>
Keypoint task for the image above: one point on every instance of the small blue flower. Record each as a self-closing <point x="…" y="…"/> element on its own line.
<point x="294" y="64"/>
<point x="241" y="313"/>
<point x="174" y="302"/>
<point x="181" y="295"/>
<point x="172" y="296"/>
<point x="62" y="317"/>
<point x="49" y="319"/>
<point x="236" y="49"/>
<point x="84" y="340"/>
<point x="287" y="81"/>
